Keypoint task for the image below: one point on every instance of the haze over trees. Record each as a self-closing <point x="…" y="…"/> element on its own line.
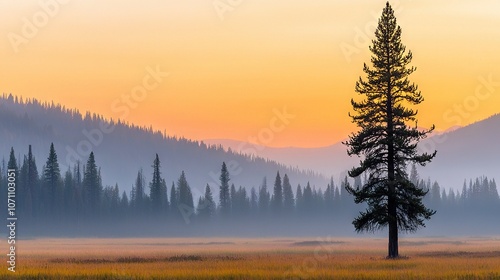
<point x="124" y="148"/>
<point x="386" y="141"/>
<point x="128" y="148"/>
<point x="77" y="203"/>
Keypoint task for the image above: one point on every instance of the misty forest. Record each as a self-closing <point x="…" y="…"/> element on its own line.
<point x="56" y="202"/>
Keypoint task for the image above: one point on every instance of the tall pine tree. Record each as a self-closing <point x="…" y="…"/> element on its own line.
<point x="155" y="188"/>
<point x="206" y="205"/>
<point x="32" y="183"/>
<point x="138" y="195"/>
<point x="288" y="200"/>
<point x="277" y="201"/>
<point x="52" y="183"/>
<point x="224" y="196"/>
<point x="69" y="194"/>
<point x="92" y="186"/>
<point x="185" y="203"/>
<point x="264" y="198"/>
<point x="174" y="198"/>
<point x="386" y="140"/>
<point x="28" y="182"/>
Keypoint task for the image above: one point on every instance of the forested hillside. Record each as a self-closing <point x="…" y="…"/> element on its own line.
<point x="122" y="148"/>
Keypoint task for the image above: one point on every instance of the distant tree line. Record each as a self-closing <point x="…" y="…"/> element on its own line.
<point x="26" y="121"/>
<point x="78" y="195"/>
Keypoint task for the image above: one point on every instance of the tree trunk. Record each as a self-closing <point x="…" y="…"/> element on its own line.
<point x="393" y="231"/>
<point x="391" y="199"/>
<point x="392" y="208"/>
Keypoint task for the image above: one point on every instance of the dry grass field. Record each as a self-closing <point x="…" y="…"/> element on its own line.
<point x="271" y="258"/>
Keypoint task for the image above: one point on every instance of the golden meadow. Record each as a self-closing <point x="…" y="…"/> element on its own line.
<point x="269" y="258"/>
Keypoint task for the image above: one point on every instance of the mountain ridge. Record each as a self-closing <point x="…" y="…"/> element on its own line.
<point x="121" y="149"/>
<point x="333" y="160"/>
<point x="470" y="151"/>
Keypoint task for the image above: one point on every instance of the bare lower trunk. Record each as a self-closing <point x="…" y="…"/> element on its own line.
<point x="393" y="234"/>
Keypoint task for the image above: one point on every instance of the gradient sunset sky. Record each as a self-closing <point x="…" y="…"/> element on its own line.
<point x="232" y="64"/>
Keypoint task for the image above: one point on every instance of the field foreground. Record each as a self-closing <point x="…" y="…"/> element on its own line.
<point x="271" y="258"/>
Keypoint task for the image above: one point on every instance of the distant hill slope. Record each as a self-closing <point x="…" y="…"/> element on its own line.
<point x="329" y="161"/>
<point x="467" y="152"/>
<point x="123" y="151"/>
<point x="463" y="152"/>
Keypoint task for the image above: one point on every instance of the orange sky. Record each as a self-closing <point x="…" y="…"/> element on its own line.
<point x="231" y="69"/>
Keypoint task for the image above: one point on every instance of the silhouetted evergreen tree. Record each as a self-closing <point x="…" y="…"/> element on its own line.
<point x="92" y="186"/>
<point x="345" y="198"/>
<point x="200" y="213"/>
<point x="138" y="197"/>
<point x="452" y="199"/>
<point x="414" y="174"/>
<point x="69" y="194"/>
<point x="185" y="203"/>
<point x="463" y="195"/>
<point x="444" y="197"/>
<point x="115" y="201"/>
<point x="224" y="196"/>
<point x="79" y="207"/>
<point x="299" y="205"/>
<point x="329" y="197"/>
<point x="385" y="140"/>
<point x="264" y="198"/>
<point x="164" y="195"/>
<point x="493" y="191"/>
<point x="52" y="183"/>
<point x="156" y="194"/>
<point x="435" y="196"/>
<point x="174" y="198"/>
<point x="124" y="203"/>
<point x="206" y="205"/>
<point x="110" y="201"/>
<point x="308" y="199"/>
<point x="233" y="199"/>
<point x="277" y="199"/>
<point x="319" y="202"/>
<point x="254" y="201"/>
<point x="346" y="203"/>
<point x="337" y="199"/>
<point x="78" y="174"/>
<point x="12" y="165"/>
<point x="288" y="199"/>
<point x="29" y="180"/>
<point x="240" y="202"/>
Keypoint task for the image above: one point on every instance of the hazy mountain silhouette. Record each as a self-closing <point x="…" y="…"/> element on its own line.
<point x="329" y="161"/>
<point x="120" y="153"/>
<point x="463" y="152"/>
